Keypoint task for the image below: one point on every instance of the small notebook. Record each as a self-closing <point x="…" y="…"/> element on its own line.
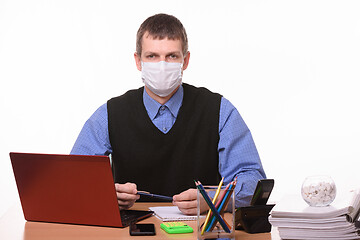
<point x="171" y="213"/>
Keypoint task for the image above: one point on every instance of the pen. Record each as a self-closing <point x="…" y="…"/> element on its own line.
<point x="212" y="207"/>
<point x="143" y="193"/>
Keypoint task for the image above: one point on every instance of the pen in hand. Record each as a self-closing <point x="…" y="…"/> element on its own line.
<point x="143" y="193"/>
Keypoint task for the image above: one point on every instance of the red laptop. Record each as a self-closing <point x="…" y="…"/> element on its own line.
<point x="74" y="189"/>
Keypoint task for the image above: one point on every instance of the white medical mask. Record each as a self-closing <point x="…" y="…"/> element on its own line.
<point x="162" y="78"/>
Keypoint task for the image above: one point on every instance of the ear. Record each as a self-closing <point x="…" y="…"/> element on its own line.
<point x="137" y="61"/>
<point x="186" y="61"/>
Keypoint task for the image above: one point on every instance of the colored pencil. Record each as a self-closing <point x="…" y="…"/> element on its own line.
<point x="212" y="207"/>
<point x="220" y="206"/>
<point x="213" y="201"/>
<point x="218" y="203"/>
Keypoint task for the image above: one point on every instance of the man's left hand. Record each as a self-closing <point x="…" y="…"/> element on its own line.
<point x="187" y="202"/>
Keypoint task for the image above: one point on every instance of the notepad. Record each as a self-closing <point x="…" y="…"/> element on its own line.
<point x="171" y="213"/>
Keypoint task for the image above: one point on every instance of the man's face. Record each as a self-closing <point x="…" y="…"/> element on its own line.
<point x="155" y="50"/>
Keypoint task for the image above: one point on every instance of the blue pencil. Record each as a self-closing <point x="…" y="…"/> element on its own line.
<point x="222" y="204"/>
<point x="212" y="207"/>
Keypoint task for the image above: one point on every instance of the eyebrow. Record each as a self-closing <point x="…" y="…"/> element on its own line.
<point x="155" y="53"/>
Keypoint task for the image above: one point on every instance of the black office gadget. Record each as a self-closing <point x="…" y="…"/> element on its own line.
<point x="144" y="229"/>
<point x="262" y="192"/>
<point x="254" y="218"/>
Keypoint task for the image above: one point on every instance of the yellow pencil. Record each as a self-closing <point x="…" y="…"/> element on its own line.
<point x="213" y="201"/>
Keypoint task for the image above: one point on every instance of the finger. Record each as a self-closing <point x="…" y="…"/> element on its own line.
<point x="190" y="211"/>
<point x="186" y="201"/>
<point x="130" y="188"/>
<point x="188" y="195"/>
<point x="126" y="196"/>
<point x="186" y="204"/>
<point x="125" y="204"/>
<point x="188" y="207"/>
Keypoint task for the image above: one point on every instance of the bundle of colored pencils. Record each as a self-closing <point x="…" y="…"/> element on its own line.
<point x="216" y="211"/>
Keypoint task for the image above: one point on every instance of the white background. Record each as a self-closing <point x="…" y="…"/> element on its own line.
<point x="290" y="67"/>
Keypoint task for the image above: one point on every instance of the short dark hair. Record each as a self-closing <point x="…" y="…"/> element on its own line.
<point x="162" y="26"/>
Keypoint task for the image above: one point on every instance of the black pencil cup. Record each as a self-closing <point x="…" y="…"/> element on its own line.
<point x="253" y="219"/>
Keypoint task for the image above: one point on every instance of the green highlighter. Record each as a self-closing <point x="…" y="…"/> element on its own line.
<point x="176" y="227"/>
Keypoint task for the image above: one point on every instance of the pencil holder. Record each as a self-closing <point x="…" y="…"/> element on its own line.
<point x="209" y="225"/>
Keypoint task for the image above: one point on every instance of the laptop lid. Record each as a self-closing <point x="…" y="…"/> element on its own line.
<point x="76" y="189"/>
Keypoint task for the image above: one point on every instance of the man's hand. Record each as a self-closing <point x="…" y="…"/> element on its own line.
<point x="187" y="202"/>
<point x="126" y="194"/>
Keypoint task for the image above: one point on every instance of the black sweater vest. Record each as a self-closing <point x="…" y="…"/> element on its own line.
<point x="165" y="163"/>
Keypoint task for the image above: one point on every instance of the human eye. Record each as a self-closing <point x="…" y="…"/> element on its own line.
<point x="173" y="56"/>
<point x="150" y="56"/>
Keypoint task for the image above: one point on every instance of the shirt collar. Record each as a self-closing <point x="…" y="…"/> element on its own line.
<point x="174" y="103"/>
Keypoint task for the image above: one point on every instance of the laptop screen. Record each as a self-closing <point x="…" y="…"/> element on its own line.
<point x="77" y="189"/>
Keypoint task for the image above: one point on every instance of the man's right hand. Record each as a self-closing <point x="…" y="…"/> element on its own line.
<point x="126" y="194"/>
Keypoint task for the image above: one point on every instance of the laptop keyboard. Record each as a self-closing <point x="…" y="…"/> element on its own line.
<point x="129" y="216"/>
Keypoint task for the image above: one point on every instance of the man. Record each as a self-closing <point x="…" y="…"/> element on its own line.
<point x="166" y="134"/>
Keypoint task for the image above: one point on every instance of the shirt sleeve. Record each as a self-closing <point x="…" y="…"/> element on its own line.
<point x="238" y="156"/>
<point x="94" y="136"/>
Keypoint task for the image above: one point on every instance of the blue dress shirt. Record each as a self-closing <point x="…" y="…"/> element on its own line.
<point x="238" y="156"/>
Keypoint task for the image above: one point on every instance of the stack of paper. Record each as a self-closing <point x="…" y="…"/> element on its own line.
<point x="295" y="219"/>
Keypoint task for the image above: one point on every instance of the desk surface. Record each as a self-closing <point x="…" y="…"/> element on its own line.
<point x="13" y="226"/>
